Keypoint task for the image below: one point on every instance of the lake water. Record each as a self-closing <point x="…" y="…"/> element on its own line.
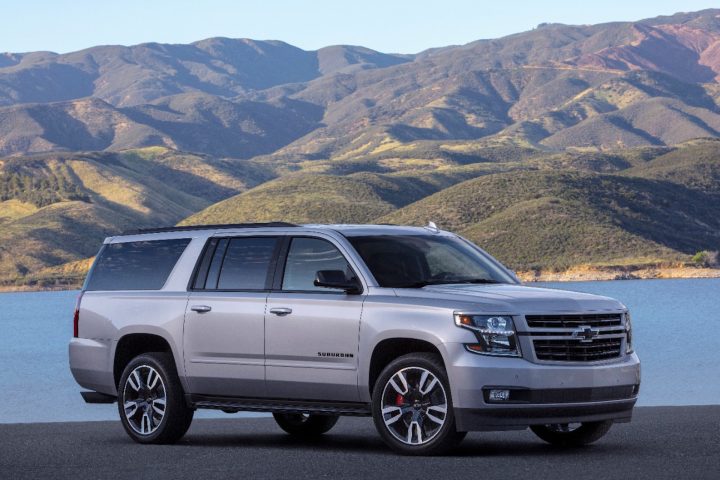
<point x="676" y="328"/>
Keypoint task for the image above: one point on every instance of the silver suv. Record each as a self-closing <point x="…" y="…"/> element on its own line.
<point x="416" y="327"/>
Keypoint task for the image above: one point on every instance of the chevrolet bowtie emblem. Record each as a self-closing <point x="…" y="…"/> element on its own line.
<point x="585" y="333"/>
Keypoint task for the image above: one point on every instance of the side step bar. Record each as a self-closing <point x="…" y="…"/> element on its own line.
<point x="97" y="397"/>
<point x="233" y="404"/>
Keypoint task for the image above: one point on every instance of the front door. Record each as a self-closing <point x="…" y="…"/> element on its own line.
<point x="311" y="333"/>
<point x="225" y="319"/>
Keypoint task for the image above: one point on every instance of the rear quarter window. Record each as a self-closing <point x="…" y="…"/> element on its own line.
<point x="135" y="265"/>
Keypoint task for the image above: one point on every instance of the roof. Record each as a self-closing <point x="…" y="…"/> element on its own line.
<point x="361" y="230"/>
<point x="187" y="228"/>
<point x="345" y="229"/>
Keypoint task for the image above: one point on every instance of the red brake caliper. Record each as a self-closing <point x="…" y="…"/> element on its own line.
<point x="399" y="399"/>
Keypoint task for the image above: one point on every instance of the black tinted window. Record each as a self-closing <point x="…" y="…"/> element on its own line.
<point x="135" y="265"/>
<point x="306" y="257"/>
<point x="246" y="264"/>
<point x="415" y="261"/>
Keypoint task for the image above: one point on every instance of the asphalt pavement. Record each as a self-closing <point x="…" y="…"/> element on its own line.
<point x="660" y="443"/>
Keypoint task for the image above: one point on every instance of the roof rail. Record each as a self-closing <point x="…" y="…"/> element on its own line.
<point x="187" y="228"/>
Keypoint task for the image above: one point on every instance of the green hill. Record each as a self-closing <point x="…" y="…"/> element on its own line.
<point x="316" y="198"/>
<point x="57" y="208"/>
<point x="535" y="209"/>
<point x="549" y="219"/>
<point x="694" y="164"/>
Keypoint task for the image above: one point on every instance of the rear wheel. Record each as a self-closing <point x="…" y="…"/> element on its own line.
<point x="412" y="407"/>
<point x="572" y="434"/>
<point x="305" y="424"/>
<point x="150" y="400"/>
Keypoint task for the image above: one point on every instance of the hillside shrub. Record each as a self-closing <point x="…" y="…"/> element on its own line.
<point x="706" y="258"/>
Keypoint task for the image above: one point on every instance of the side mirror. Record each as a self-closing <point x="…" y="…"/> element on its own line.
<point x="336" y="279"/>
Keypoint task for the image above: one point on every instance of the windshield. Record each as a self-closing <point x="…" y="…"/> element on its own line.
<point x="415" y="261"/>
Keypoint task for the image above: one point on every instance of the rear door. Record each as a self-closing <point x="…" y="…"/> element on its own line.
<point x="311" y="333"/>
<point x="224" y="323"/>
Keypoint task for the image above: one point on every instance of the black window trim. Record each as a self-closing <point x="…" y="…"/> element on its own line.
<point x="84" y="287"/>
<point x="280" y="269"/>
<point x="269" y="276"/>
<point x="209" y="243"/>
<point x="216" y="279"/>
<point x="203" y="263"/>
<point x="280" y="261"/>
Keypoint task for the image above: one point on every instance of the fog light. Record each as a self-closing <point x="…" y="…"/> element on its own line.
<point x="499" y="395"/>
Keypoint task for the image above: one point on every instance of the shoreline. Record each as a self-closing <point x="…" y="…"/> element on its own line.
<point x="30" y="289"/>
<point x="630" y="272"/>
<point x="582" y="273"/>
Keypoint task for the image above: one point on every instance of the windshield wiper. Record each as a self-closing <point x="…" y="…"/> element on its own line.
<point x="477" y="280"/>
<point x="446" y="281"/>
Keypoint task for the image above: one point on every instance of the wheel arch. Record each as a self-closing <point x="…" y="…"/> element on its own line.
<point x="132" y="344"/>
<point x="388" y="349"/>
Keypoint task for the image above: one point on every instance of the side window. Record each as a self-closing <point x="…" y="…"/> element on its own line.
<point x="136" y="265"/>
<point x="305" y="257"/>
<point x="242" y="263"/>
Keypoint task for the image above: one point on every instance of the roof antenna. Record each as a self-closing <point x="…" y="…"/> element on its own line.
<point x="432" y="227"/>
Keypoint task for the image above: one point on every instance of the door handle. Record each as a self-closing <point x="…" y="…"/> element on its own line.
<point x="281" y="312"/>
<point x="200" y="308"/>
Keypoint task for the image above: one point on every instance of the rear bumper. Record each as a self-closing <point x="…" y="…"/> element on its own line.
<point x="90" y="365"/>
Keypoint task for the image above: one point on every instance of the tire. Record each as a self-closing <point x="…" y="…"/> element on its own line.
<point x="564" y="435"/>
<point x="305" y="425"/>
<point x="412" y="406"/>
<point x="146" y="382"/>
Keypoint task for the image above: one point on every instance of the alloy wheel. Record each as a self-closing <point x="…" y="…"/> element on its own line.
<point x="144" y="399"/>
<point x="414" y="406"/>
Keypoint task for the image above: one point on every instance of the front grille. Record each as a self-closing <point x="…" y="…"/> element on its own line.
<point x="574" y="321"/>
<point x="588" y="337"/>
<point x="574" y="350"/>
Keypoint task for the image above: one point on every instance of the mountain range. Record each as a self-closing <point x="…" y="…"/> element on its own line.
<point x="600" y="136"/>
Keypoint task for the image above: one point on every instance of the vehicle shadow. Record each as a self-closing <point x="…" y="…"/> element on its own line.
<point x="281" y="441"/>
<point x="473" y="446"/>
<point x="358" y="437"/>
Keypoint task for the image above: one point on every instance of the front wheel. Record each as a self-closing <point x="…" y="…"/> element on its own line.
<point x="572" y="434"/>
<point x="150" y="400"/>
<point x="412" y="407"/>
<point x="305" y="424"/>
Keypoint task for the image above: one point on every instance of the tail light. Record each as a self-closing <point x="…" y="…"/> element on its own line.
<point x="76" y="317"/>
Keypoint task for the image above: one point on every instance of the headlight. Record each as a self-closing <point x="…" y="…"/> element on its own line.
<point x="495" y="334"/>
<point x="628" y="334"/>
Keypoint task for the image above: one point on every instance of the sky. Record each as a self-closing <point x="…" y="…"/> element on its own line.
<point x="397" y="26"/>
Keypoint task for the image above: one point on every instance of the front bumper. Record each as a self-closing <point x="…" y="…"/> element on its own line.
<point x="540" y="393"/>
<point x="511" y="417"/>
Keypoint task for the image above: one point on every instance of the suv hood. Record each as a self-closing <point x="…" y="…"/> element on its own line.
<point x="516" y="298"/>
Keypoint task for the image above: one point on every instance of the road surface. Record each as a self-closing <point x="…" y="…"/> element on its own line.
<point x="661" y="442"/>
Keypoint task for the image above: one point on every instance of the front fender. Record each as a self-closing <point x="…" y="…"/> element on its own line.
<point x="389" y="320"/>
